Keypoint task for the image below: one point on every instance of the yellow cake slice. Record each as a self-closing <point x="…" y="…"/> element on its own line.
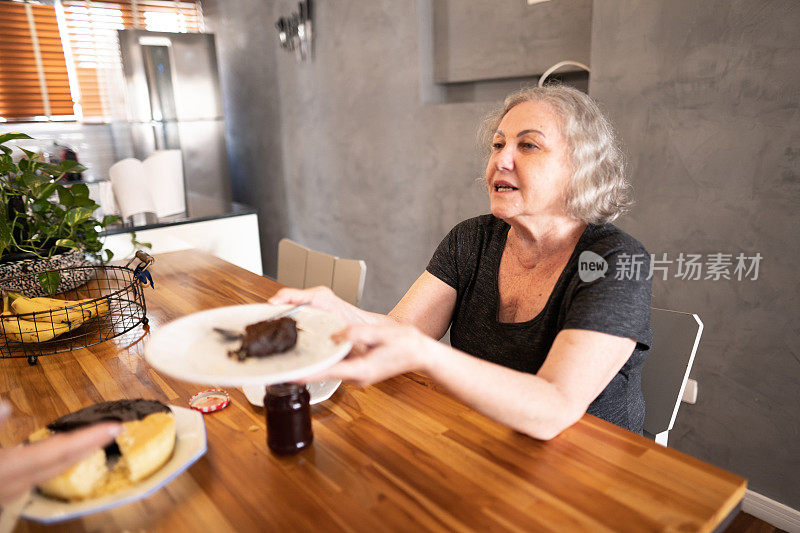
<point x="145" y="445"/>
<point x="78" y="482"/>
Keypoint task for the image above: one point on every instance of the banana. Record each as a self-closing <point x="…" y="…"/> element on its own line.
<point x="19" y="330"/>
<point x="58" y="311"/>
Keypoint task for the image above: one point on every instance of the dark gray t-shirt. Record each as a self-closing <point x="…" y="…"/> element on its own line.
<point x="468" y="259"/>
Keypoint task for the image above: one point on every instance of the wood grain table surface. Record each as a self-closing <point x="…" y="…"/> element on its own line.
<point x="401" y="455"/>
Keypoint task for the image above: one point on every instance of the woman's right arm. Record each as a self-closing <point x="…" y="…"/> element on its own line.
<point x="427" y="305"/>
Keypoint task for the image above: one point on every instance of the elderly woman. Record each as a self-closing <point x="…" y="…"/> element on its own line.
<point x="536" y="340"/>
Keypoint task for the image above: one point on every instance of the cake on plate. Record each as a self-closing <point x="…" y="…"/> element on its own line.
<point x="145" y="444"/>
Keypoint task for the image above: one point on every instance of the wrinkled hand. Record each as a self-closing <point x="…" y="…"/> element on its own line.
<point x="379" y="352"/>
<point x="24" y="466"/>
<point x="318" y="297"/>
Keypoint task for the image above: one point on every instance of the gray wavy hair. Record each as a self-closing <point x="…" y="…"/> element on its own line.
<point x="598" y="192"/>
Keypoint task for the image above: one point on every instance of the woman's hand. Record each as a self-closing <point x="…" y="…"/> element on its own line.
<point x="379" y="352"/>
<point x="323" y="298"/>
<point x="24" y="466"/>
<point x="318" y="297"/>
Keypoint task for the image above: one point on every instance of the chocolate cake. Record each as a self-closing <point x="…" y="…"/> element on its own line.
<point x="266" y="338"/>
<point x="117" y="411"/>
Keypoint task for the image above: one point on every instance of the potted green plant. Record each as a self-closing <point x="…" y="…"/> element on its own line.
<point x="45" y="225"/>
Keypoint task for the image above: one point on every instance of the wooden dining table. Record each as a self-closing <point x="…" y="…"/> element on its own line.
<point x="400" y="455"/>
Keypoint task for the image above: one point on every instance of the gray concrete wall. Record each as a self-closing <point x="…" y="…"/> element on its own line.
<point x="477" y="40"/>
<point x="340" y="153"/>
<point x="705" y="96"/>
<point x="371" y="172"/>
<point x="247" y="60"/>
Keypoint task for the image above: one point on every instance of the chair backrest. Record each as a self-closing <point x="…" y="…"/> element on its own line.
<point x="319" y="269"/>
<point x="676" y="336"/>
<point x="301" y="267"/>
<point x="292" y="264"/>
<point x="348" y="279"/>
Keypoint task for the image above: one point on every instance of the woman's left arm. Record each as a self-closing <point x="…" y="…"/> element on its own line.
<point x="578" y="367"/>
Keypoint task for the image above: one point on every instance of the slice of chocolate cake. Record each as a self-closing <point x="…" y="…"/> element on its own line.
<point x="267" y="338"/>
<point x="116" y="411"/>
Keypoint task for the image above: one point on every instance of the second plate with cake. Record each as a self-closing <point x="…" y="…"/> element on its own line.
<point x="190" y="445"/>
<point x="191" y="350"/>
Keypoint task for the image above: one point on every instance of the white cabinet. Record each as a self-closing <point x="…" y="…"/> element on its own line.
<point x="232" y="238"/>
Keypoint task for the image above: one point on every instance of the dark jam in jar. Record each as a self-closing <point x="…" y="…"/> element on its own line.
<point x="288" y="418"/>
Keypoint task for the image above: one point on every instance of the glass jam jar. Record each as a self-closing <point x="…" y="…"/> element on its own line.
<point x="288" y="418"/>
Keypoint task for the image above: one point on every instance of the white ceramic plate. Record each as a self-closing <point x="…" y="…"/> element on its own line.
<point x="319" y="392"/>
<point x="190" y="445"/>
<point x="189" y="349"/>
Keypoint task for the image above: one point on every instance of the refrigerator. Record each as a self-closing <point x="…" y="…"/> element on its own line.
<point x="173" y="101"/>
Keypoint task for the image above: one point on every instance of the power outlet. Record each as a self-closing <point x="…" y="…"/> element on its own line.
<point x="690" y="392"/>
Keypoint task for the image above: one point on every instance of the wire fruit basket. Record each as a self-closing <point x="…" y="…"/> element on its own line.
<point x="109" y="304"/>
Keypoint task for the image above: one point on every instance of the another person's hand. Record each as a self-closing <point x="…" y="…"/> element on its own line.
<point x="379" y="352"/>
<point x="24" y="466"/>
<point x="323" y="298"/>
<point x="318" y="297"/>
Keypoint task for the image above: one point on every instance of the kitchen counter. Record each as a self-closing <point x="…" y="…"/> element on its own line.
<point x="227" y="230"/>
<point x="199" y="208"/>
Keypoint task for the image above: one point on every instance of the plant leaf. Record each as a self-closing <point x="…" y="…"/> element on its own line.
<point x="66" y="243"/>
<point x="46" y="191"/>
<point x="31" y="155"/>
<point x="5" y="229"/>
<point x="76" y="215"/>
<point x="7" y="165"/>
<point x="50" y="281"/>
<point x="109" y="254"/>
<point x="69" y="165"/>
<point x="33" y="181"/>
<point x="65" y="197"/>
<point x="13" y="135"/>
<point x="40" y="206"/>
<point x="79" y="190"/>
<point x="51" y="169"/>
<point x="109" y="219"/>
<point x="6" y="150"/>
<point x="85" y="202"/>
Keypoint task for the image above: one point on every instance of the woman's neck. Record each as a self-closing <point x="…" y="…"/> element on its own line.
<point x="533" y="238"/>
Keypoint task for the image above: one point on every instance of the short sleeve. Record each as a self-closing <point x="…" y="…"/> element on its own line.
<point x="618" y="303"/>
<point x="444" y="263"/>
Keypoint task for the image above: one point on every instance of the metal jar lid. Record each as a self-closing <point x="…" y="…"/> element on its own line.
<point x="210" y="400"/>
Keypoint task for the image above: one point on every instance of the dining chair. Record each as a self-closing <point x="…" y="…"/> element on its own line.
<point x="302" y="267"/>
<point x="676" y="336"/>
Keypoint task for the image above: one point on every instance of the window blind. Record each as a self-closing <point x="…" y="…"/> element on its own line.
<point x="91" y="28"/>
<point x="169" y="15"/>
<point x="33" y="71"/>
<point x="79" y="59"/>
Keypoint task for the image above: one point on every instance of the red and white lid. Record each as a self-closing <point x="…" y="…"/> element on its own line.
<point x="210" y="400"/>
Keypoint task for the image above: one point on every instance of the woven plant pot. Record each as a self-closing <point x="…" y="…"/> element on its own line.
<point x="20" y="275"/>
